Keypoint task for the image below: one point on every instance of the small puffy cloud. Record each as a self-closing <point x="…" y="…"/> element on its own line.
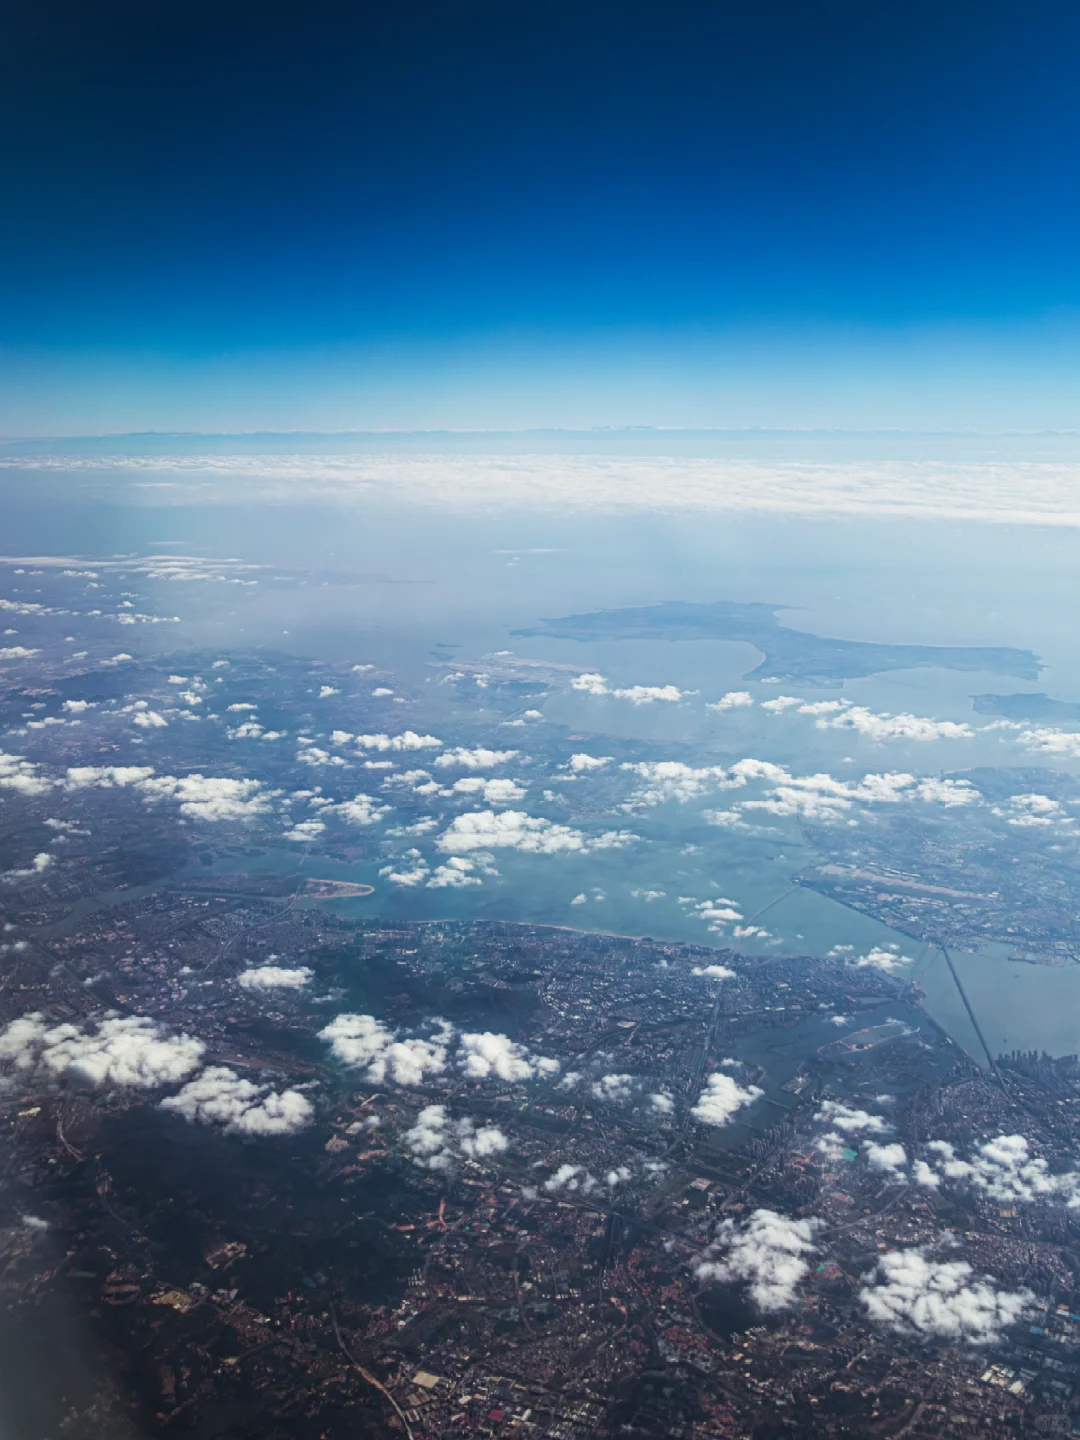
<point x="648" y="895"/>
<point x="714" y="972"/>
<point x="366" y="1043"/>
<point x="780" y="704"/>
<point x="17" y="652"/>
<point x="880" y="957"/>
<point x="275" y="977"/>
<point x="325" y="691"/>
<point x="721" y="1098"/>
<point x="1005" y="1168"/>
<point x="581" y="763"/>
<point x="77" y="707"/>
<point x="910" y="1292"/>
<point x="492" y="792"/>
<point x="889" y="1158"/>
<point x="662" y="1102"/>
<point x="436" y="1142"/>
<point x="767" y="1253"/>
<point x="456" y="874"/>
<point x="1030" y="812"/>
<point x="483" y="1055"/>
<point x="315" y="755"/>
<point x="650" y="694"/>
<point x="590" y="683"/>
<point x="581" y="899"/>
<point x="305" y="831"/>
<point x="105" y="777"/>
<point x="381" y="692"/>
<point x="221" y="1097"/>
<point x="718" y="913"/>
<point x="671" y="780"/>
<point x="882" y="727"/>
<point x="41" y="862"/>
<point x="475" y="759"/>
<point x="19" y="774"/>
<point x="850" y="1119"/>
<point x="240" y="707"/>
<point x="362" y="810"/>
<point x="149" y="720"/>
<point x="733" y="700"/>
<point x="408" y="740"/>
<point x="204" y="797"/>
<point x="923" y="1175"/>
<point x="125" y="1050"/>
<point x="614" y="1089"/>
<point x="571" y="1177"/>
<point x="515" y="830"/>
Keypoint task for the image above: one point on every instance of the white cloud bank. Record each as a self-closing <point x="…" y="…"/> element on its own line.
<point x="1005" y="492"/>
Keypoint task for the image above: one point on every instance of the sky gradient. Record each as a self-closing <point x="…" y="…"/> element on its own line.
<point x="335" y="215"/>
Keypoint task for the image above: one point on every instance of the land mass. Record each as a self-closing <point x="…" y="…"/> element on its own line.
<point x="792" y="655"/>
<point x="1025" y="707"/>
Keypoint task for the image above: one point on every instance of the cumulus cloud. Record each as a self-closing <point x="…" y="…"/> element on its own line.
<point x="204" y="797"/>
<point x="910" y="1292"/>
<point x="492" y="792"/>
<point x="1046" y="740"/>
<point x="1005" y="1168"/>
<point x="515" y="830"/>
<point x="483" y="1055"/>
<point x="362" y="810"/>
<point x="614" y="1089"/>
<point x="851" y="1120"/>
<point x="275" y="977"/>
<point x="767" y="1253"/>
<point x="124" y="1050"/>
<point x="105" y="777"/>
<point x="717" y="913"/>
<point x="571" y="1177"/>
<point x="671" y="780"/>
<point x="721" y="1098"/>
<point x="1030" y="812"/>
<point x="475" y="759"/>
<point x="886" y="958"/>
<point x="218" y="1096"/>
<point x="662" y="1102"/>
<point x="436" y="1142"/>
<point x="458" y="873"/>
<point x="594" y="684"/>
<point x="19" y="774"/>
<point x="713" y="972"/>
<point x="364" y="1042"/>
<point x="581" y="763"/>
<point x="408" y="740"/>
<point x="889" y="1158"/>
<point x="40" y="863"/>
<point x="733" y="700"/>
<point x="881" y="726"/>
<point x="304" y="831"/>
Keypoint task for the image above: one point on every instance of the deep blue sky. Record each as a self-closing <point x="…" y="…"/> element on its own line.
<point x="410" y="213"/>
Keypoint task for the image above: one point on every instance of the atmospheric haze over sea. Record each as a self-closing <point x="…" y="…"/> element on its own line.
<point x="393" y="578"/>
